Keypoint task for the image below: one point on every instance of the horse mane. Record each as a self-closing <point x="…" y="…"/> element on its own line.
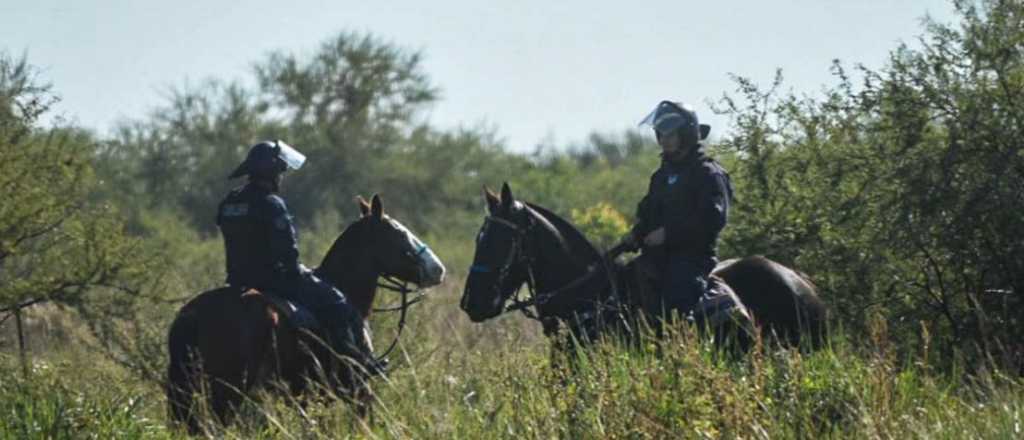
<point x="570" y="235"/>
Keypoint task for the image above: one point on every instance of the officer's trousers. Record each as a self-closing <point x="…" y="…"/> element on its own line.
<point x="343" y="323"/>
<point x="684" y="282"/>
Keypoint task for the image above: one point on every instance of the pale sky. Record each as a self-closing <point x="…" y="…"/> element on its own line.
<point x="536" y="71"/>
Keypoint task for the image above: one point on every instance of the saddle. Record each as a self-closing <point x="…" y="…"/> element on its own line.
<point x="718" y="305"/>
<point x="640" y="279"/>
<point x="290" y="311"/>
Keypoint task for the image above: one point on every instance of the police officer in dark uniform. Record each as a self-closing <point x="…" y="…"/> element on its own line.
<point x="262" y="251"/>
<point x="685" y="209"/>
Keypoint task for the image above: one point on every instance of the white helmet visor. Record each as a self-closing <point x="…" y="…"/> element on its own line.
<point x="290" y="156"/>
<point x="666" y="117"/>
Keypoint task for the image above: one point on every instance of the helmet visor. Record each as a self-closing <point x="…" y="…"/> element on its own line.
<point x="665" y="118"/>
<point x="648" y="121"/>
<point x="290" y="156"/>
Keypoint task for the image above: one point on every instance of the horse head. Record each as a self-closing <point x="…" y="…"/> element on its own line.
<point x="500" y="264"/>
<point x="376" y="244"/>
<point x="518" y="244"/>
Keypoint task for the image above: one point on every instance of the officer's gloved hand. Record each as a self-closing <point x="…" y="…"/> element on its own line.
<point x="628" y="243"/>
<point x="655" y="237"/>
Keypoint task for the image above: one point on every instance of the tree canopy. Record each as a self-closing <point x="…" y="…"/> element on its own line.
<point x="898" y="189"/>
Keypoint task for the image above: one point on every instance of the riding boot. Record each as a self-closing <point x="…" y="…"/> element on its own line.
<point x="354" y="345"/>
<point x="350" y="339"/>
<point x="342" y="323"/>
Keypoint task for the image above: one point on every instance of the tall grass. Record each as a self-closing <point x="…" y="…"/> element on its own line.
<point x="455" y="379"/>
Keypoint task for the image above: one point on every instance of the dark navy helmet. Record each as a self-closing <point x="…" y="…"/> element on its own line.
<point x="668" y="117"/>
<point x="268" y="159"/>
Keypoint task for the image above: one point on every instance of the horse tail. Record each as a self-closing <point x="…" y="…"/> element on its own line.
<point x="182" y="341"/>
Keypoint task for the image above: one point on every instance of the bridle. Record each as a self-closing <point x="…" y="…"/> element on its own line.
<point x="389" y="282"/>
<point x="518" y="255"/>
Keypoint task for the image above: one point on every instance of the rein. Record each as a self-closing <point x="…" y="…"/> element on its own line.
<point x="394" y="285"/>
<point x="518" y="255"/>
<point x="539" y="299"/>
<point x="515" y="255"/>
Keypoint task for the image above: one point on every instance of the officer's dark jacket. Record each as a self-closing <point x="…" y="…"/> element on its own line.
<point x="690" y="198"/>
<point x="259" y="238"/>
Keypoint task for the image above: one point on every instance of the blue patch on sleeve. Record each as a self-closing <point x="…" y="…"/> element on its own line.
<point x="235" y="210"/>
<point x="479" y="268"/>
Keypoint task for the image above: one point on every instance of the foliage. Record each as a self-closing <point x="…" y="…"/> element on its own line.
<point x="58" y="403"/>
<point x="56" y="243"/>
<point x="462" y="380"/>
<point x="898" y="192"/>
<point x="354" y="100"/>
<point x="601" y="223"/>
<point x="902" y="195"/>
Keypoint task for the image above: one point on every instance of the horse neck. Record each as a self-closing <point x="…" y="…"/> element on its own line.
<point x="555" y="266"/>
<point x="349" y="267"/>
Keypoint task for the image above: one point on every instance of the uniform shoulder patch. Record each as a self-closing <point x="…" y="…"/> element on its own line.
<point x="234" y="210"/>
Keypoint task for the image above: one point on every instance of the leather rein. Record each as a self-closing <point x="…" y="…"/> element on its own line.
<point x="535" y="300"/>
<point x="409" y="297"/>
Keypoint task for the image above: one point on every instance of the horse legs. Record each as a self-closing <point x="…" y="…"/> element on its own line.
<point x="181" y="373"/>
<point x="225" y="396"/>
<point x="180" y="397"/>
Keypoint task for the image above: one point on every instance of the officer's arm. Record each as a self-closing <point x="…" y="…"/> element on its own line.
<point x="284" y="249"/>
<point x="697" y="228"/>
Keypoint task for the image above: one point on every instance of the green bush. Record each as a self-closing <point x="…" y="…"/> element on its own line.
<point x="601" y="223"/>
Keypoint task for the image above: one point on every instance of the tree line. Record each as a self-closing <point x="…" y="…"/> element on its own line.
<point x="897" y="189"/>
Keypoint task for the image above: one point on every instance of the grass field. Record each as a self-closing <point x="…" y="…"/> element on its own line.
<point x="455" y="379"/>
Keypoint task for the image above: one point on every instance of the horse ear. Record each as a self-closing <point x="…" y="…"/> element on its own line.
<point x="364" y="208"/>
<point x="506" y="196"/>
<point x="376" y="207"/>
<point x="492" y="200"/>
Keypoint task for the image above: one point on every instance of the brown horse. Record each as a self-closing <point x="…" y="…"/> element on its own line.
<point x="226" y="342"/>
<point x="572" y="283"/>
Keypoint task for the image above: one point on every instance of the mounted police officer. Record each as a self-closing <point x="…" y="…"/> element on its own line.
<point x="262" y="250"/>
<point x="685" y="209"/>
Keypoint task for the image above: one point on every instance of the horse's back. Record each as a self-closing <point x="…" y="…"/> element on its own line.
<point x="230" y="328"/>
<point x="781" y="299"/>
<point x="719" y="309"/>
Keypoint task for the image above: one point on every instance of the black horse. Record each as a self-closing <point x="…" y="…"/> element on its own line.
<point x="571" y="282"/>
<point x="230" y="342"/>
